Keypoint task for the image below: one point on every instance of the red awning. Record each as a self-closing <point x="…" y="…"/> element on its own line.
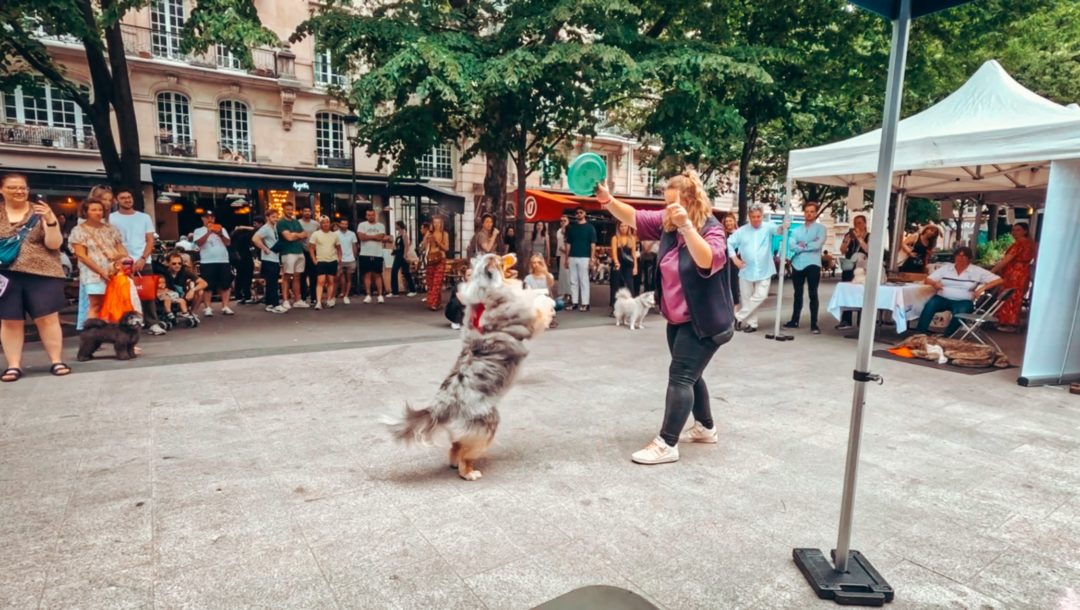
<point x="543" y="205"/>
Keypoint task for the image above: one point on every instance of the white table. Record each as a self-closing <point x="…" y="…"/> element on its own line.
<point x="905" y="302"/>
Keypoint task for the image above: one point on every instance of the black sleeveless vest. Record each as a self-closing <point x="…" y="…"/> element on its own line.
<point x="712" y="314"/>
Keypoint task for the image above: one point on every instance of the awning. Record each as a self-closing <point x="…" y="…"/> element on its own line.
<point x="546" y="205"/>
<point x="286" y="179"/>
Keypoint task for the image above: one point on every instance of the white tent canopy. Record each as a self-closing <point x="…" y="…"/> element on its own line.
<point x="991" y="134"/>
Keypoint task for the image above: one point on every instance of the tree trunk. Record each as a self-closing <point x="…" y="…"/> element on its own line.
<point x="99" y="111"/>
<point x="124" y="107"/>
<point x="494" y="186"/>
<point x="749" y="144"/>
<point x="519" y="212"/>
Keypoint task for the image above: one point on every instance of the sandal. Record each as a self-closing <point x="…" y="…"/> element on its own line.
<point x="59" y="369"/>
<point x="13" y="373"/>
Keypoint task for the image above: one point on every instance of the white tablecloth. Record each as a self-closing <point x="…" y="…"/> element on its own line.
<point x="904" y="302"/>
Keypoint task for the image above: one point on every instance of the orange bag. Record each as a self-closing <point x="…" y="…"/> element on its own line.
<point x="902" y="351"/>
<point x="147" y="286"/>
<point x="117" y="301"/>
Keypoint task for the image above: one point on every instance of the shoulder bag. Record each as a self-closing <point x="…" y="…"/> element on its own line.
<point x="11" y="245"/>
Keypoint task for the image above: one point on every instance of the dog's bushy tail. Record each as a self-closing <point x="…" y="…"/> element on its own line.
<point x="417" y="425"/>
<point x="624" y="293"/>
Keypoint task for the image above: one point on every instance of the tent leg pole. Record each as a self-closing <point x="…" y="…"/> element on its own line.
<point x="777" y="335"/>
<point x="851" y="577"/>
<point x="899" y="227"/>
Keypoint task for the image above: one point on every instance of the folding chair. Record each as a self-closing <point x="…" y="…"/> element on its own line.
<point x="985" y="309"/>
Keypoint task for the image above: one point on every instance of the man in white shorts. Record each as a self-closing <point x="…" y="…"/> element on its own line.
<point x="347" y="269"/>
<point x="291" y="250"/>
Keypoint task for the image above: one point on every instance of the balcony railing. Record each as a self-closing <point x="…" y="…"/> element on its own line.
<point x="236" y="150"/>
<point x="43" y="135"/>
<point x="170" y="146"/>
<point x="147" y="43"/>
<point x="334" y="159"/>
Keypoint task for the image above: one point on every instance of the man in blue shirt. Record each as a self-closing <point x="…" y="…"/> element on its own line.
<point x="755" y="263"/>
<point x="804" y="246"/>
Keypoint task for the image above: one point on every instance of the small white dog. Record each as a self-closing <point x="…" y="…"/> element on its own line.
<point x="632" y="311"/>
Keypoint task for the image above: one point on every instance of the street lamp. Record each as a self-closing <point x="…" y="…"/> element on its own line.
<point x="351" y="123"/>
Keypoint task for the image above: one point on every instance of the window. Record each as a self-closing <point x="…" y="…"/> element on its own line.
<point x="47" y="107"/>
<point x="437" y="163"/>
<point x="226" y="58"/>
<point x="550" y="172"/>
<point x="166" y="22"/>
<point x="234" y="135"/>
<point x="324" y="70"/>
<point x="329" y="138"/>
<point x="650" y="180"/>
<point x="174" y="123"/>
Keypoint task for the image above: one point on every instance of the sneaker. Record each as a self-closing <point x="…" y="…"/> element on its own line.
<point x="367" y="299"/>
<point x="791" y="325"/>
<point x="286" y="305"/>
<point x="738" y="325"/>
<point x="455" y="326"/>
<point x="318" y="306"/>
<point x="381" y="299"/>
<point x="411" y="294"/>
<point x="656" y="452"/>
<point x="699" y="434"/>
<point x="749" y="329"/>
<point x="276" y="309"/>
<point x="392" y="295"/>
<point x="156" y="329"/>
<point x="815" y="330"/>
<point x="208" y="313"/>
<point x="584" y="308"/>
<point x="844" y="326"/>
<point x="301" y="305"/>
<point x="331" y="302"/>
<point x="228" y="311"/>
<point x="346" y="300"/>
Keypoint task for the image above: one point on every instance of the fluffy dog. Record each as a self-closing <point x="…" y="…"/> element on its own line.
<point x="632" y="311"/>
<point x="124" y="336"/>
<point x="500" y="316"/>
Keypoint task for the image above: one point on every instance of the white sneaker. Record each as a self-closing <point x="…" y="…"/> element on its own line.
<point x="208" y="313"/>
<point x="156" y="329"/>
<point x="318" y="306"/>
<point x="699" y="434"/>
<point x="455" y="326"/>
<point x="277" y="309"/>
<point x="367" y="299"/>
<point x="381" y="299"/>
<point x="656" y="452"/>
<point x="345" y="300"/>
<point x="286" y="305"/>
<point x="301" y="305"/>
<point x="411" y="294"/>
<point x="331" y="302"/>
<point x="228" y="312"/>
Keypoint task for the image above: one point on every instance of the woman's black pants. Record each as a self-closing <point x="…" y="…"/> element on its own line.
<point x="686" y="391"/>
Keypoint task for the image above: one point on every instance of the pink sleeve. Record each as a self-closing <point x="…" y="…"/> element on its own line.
<point x="649" y="224"/>
<point x="718" y="244"/>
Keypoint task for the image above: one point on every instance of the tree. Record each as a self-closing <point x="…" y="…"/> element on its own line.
<point x="96" y="25"/>
<point x="513" y="80"/>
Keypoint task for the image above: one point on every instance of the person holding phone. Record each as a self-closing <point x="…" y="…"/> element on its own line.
<point x="33" y="283"/>
<point x="694" y="295"/>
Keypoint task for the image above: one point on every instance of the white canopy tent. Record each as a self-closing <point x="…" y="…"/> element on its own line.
<point x="991" y="135"/>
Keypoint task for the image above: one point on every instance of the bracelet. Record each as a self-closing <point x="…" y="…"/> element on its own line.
<point x="685" y="227"/>
<point x="52" y="224"/>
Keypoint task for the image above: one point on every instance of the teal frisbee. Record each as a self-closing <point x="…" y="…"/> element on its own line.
<point x="584" y="173"/>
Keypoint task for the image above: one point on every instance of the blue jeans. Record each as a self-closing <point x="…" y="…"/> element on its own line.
<point x="939" y="304"/>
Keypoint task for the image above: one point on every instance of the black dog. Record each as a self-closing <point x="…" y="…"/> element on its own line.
<point x="124" y="336"/>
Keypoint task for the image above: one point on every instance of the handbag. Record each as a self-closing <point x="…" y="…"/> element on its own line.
<point x="147" y="286"/>
<point x="11" y="245"/>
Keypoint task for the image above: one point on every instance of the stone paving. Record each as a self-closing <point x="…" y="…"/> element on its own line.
<point x="267" y="481"/>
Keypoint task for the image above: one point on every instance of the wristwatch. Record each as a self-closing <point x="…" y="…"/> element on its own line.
<point x="52" y="224"/>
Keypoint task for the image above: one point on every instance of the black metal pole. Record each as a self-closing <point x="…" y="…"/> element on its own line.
<point x="352" y="186"/>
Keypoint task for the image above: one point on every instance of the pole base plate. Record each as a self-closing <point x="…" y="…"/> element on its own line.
<point x="861" y="585"/>
<point x="779" y="337"/>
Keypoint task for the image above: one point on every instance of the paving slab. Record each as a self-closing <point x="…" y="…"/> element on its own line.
<point x="267" y="480"/>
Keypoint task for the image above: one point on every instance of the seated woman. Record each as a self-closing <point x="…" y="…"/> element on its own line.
<point x="540" y="278"/>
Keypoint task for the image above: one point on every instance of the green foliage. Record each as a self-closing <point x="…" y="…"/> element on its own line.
<point x="922" y="211"/>
<point x="987" y="255"/>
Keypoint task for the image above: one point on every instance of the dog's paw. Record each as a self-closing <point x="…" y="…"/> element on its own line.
<point x="473" y="475"/>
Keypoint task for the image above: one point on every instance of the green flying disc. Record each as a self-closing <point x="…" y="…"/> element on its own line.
<point x="584" y="173"/>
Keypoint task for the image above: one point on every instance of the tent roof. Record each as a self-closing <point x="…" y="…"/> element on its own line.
<point x="991" y="134"/>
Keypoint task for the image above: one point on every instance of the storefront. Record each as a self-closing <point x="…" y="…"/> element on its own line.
<point x="237" y="194"/>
